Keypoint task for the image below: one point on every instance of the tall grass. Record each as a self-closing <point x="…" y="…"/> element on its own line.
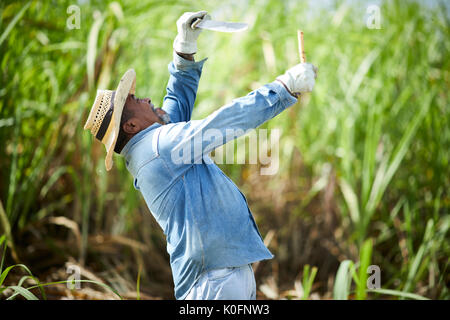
<point x="365" y="158"/>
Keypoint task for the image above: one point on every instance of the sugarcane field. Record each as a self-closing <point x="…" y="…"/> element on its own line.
<point x="259" y="152"/>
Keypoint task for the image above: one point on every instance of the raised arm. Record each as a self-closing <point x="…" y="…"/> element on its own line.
<point x="184" y="71"/>
<point x="186" y="143"/>
<point x="182" y="88"/>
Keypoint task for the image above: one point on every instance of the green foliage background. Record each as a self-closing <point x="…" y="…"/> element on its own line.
<point x="365" y="161"/>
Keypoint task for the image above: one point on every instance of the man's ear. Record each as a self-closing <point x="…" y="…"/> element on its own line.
<point x="131" y="126"/>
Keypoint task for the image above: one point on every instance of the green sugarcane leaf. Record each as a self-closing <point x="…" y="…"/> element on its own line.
<point x="23" y="292"/>
<point x="342" y="282"/>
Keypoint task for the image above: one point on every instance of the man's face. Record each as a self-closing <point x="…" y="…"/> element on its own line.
<point x="144" y="114"/>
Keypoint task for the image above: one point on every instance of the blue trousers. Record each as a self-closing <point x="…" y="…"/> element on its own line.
<point x="233" y="283"/>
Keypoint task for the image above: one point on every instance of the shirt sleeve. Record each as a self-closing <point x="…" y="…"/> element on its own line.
<point x="188" y="142"/>
<point x="182" y="88"/>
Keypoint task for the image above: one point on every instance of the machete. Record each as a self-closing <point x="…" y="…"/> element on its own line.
<point x="220" y="26"/>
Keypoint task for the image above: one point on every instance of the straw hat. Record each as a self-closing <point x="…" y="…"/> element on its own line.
<point x="105" y="115"/>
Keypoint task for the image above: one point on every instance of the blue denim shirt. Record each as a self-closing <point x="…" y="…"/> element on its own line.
<point x="204" y="216"/>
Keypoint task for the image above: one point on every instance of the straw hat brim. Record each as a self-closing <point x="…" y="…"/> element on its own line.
<point x="126" y="86"/>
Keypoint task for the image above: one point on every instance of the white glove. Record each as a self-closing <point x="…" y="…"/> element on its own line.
<point x="186" y="39"/>
<point x="300" y="78"/>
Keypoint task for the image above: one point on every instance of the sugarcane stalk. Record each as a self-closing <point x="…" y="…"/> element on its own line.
<point x="301" y="47"/>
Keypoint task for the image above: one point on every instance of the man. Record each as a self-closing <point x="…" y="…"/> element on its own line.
<point x="212" y="238"/>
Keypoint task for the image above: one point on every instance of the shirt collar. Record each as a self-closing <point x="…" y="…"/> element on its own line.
<point x="138" y="137"/>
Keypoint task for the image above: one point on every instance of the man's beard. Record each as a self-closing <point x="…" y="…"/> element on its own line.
<point x="165" y="118"/>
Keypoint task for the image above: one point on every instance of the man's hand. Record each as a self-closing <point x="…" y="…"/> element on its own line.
<point x="186" y="40"/>
<point x="299" y="79"/>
